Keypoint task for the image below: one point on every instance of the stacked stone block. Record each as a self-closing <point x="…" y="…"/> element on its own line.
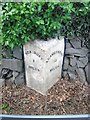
<point x="76" y="63"/>
<point x="12" y="66"/>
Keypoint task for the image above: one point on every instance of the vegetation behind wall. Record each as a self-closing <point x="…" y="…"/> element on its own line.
<point x="22" y="22"/>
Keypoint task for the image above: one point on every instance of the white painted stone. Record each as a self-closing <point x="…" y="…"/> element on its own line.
<point x="43" y="63"/>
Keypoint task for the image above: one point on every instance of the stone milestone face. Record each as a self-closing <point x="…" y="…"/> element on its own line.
<point x="43" y="63"/>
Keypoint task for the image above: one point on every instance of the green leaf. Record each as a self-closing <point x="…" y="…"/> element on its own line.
<point x="27" y="21"/>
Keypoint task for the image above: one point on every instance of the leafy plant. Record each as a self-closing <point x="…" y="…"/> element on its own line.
<point x="80" y="22"/>
<point x="22" y="22"/>
<point x="6" y="107"/>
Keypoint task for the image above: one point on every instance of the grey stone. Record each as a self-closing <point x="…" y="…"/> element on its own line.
<point x="80" y="64"/>
<point x="11" y="80"/>
<point x="87" y="69"/>
<point x="84" y="60"/>
<point x="20" y="79"/>
<point x="12" y="64"/>
<point x="66" y="63"/>
<point x="72" y="76"/>
<point x="89" y="57"/>
<point x="76" y="44"/>
<point x="73" y="61"/>
<point x="10" y="74"/>
<point x="72" y="69"/>
<point x="81" y="75"/>
<point x="15" y="74"/>
<point x="64" y="73"/>
<point x="84" y="51"/>
<point x="88" y="73"/>
<point x="17" y="53"/>
<point x="77" y="52"/>
<point x="78" y="59"/>
<point x="6" y="73"/>
<point x="6" y="53"/>
<point x="70" y="56"/>
<point x="68" y="45"/>
<point x="2" y="81"/>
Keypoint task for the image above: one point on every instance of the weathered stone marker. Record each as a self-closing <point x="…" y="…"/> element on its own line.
<point x="43" y="63"/>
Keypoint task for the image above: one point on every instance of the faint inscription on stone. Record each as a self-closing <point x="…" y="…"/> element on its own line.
<point x="51" y="55"/>
<point x="33" y="68"/>
<point x="54" y="68"/>
<point x="43" y="63"/>
<point x="30" y="52"/>
<point x="27" y="52"/>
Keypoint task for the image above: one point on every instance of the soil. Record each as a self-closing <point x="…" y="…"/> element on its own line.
<point x="65" y="97"/>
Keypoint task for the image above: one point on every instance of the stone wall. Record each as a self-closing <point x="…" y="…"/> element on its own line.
<point x="12" y="67"/>
<point x="76" y="62"/>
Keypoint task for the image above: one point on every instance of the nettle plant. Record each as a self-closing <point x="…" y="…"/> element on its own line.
<point x="22" y="22"/>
